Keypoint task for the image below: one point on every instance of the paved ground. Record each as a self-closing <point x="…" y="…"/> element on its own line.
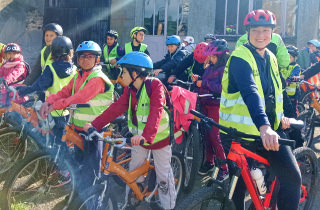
<point x="315" y="147"/>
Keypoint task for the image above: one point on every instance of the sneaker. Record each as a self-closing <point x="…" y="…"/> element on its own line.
<point x="205" y="168"/>
<point x="59" y="178"/>
<point x="222" y="175"/>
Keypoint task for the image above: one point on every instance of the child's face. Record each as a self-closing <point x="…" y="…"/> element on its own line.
<point x="110" y="40"/>
<point x="312" y="48"/>
<point x="139" y="36"/>
<point x="11" y="55"/>
<point x="292" y="59"/>
<point x="213" y="59"/>
<point x="49" y="36"/>
<point x="126" y="77"/>
<point x="87" y="60"/>
<point x="172" y="48"/>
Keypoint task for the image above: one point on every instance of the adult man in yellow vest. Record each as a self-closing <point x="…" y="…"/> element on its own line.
<point x="147" y="120"/>
<point x="252" y="102"/>
<point x="137" y="35"/>
<point x="89" y="85"/>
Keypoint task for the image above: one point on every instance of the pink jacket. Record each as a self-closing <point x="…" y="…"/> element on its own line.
<point x="13" y="71"/>
<point x="181" y="98"/>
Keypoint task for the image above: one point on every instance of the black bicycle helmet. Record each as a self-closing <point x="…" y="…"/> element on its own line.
<point x="53" y="27"/>
<point x="292" y="50"/>
<point x="210" y="36"/>
<point x="61" y="46"/>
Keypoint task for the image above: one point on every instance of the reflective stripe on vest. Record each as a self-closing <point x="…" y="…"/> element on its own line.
<point x="97" y="104"/>
<point x="233" y="111"/>
<point x="143" y="110"/>
<point x="45" y="62"/>
<point x="109" y="57"/>
<point x="57" y="84"/>
<point x="128" y="47"/>
<point x="286" y="72"/>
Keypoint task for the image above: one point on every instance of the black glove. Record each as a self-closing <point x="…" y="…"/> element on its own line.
<point x="22" y="90"/>
<point x="90" y="133"/>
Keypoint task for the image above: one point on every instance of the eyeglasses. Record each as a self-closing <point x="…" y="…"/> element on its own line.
<point x="83" y="56"/>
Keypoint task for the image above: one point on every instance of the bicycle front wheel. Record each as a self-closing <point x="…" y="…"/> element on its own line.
<point x="178" y="170"/>
<point x="192" y="156"/>
<point x="39" y="182"/>
<point x="95" y="198"/>
<point x="308" y="165"/>
<point x="205" y="198"/>
<point x="13" y="148"/>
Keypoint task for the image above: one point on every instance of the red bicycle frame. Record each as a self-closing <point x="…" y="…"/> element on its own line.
<point x="239" y="155"/>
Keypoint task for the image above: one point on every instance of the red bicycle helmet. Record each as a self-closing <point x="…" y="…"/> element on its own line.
<point x="197" y="54"/>
<point x="12" y="47"/>
<point x="216" y="47"/>
<point x="260" y="18"/>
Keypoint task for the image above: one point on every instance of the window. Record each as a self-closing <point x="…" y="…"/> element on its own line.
<point x="230" y="15"/>
<point x="155" y="18"/>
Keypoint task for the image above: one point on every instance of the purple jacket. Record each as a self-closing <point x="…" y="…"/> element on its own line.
<point x="211" y="83"/>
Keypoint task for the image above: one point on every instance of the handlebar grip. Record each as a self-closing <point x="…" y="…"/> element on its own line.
<point x="296" y="124"/>
<point x="128" y="141"/>
<point x="287" y="142"/>
<point x="82" y="105"/>
<point x="197" y="114"/>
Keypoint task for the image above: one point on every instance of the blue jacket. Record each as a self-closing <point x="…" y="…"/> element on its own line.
<point x="46" y="79"/>
<point x="170" y="61"/>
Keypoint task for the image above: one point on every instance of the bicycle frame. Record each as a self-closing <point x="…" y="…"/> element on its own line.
<point x="239" y="155"/>
<point x="110" y="166"/>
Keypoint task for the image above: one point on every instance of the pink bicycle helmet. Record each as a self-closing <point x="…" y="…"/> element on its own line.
<point x="198" y="52"/>
<point x="216" y="47"/>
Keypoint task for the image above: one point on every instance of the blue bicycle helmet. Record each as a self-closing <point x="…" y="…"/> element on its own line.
<point x="314" y="42"/>
<point x="173" y="40"/>
<point x="88" y="46"/>
<point x="136" y="60"/>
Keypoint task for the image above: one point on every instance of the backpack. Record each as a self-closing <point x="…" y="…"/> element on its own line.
<point x="28" y="68"/>
<point x="168" y="109"/>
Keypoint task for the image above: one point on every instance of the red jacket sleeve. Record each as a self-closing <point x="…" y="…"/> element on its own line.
<point x="15" y="73"/>
<point x="157" y="101"/>
<point x="114" y="110"/>
<point x="91" y="89"/>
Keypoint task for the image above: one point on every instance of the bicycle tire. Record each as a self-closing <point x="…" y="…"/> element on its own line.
<point x="40" y="184"/>
<point x="178" y="169"/>
<point x="212" y="197"/>
<point x="308" y="130"/>
<point x="90" y="195"/>
<point x="306" y="158"/>
<point x="192" y="156"/>
<point x="13" y="148"/>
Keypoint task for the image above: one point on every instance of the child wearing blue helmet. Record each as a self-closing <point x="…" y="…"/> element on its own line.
<point x="165" y="67"/>
<point x="144" y="99"/>
<point x="89" y="85"/>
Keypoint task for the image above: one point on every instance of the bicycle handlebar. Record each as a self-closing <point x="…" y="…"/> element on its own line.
<point x="177" y="81"/>
<point x="235" y="133"/>
<point x="114" y="141"/>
